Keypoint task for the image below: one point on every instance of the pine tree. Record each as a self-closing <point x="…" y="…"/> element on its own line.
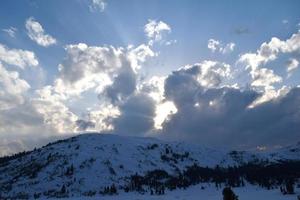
<point x="167" y="151"/>
<point x="290" y="187"/>
<point x="63" y="189"/>
<point x="228" y="194"/>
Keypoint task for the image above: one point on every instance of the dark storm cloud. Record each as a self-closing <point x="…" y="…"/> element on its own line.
<point x="123" y="85"/>
<point x="137" y="114"/>
<point x="182" y="87"/>
<point x="83" y="125"/>
<point x="220" y="116"/>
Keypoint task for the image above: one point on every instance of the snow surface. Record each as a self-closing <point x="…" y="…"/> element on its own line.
<point x="196" y="193"/>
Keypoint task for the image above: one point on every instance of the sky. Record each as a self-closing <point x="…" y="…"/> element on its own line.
<point x="215" y="73"/>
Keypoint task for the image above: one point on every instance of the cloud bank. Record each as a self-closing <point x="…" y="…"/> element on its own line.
<point x="204" y="102"/>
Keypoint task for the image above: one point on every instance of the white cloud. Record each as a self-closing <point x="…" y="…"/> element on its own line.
<point x="12" y="89"/>
<point x="97" y="5"/>
<point x="217" y="46"/>
<point x="155" y="30"/>
<point x="86" y="67"/>
<point x="269" y="51"/>
<point x="11" y="31"/>
<point x="213" y="44"/>
<point x="17" y="57"/>
<point x="269" y="94"/>
<point x="208" y="73"/>
<point x="99" y="116"/>
<point x="213" y="72"/>
<point x="264" y="78"/>
<point x="139" y="55"/>
<point x="22" y="114"/>
<point x="36" y="33"/>
<point x="33" y="121"/>
<point x="53" y="111"/>
<point x="141" y="105"/>
<point x="228" y="48"/>
<point x="154" y="87"/>
<point x="83" y="69"/>
<point x="292" y="65"/>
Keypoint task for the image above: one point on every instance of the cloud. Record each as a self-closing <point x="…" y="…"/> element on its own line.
<point x="292" y="65"/>
<point x="221" y="115"/>
<point x="87" y="67"/>
<point x="9" y="147"/>
<point x="11" y="31"/>
<point x="136" y="115"/>
<point x="200" y="103"/>
<point x="264" y="78"/>
<point x="84" y="125"/>
<point x="154" y="87"/>
<point x="124" y="84"/>
<point x="83" y="70"/>
<point x="53" y="111"/>
<point x="21" y="120"/>
<point x="23" y="128"/>
<point x="12" y="89"/>
<point x="101" y="116"/>
<point x="36" y="33"/>
<point x="269" y="51"/>
<point x="17" y="57"/>
<point x="139" y="55"/>
<point x="111" y="72"/>
<point x="97" y="5"/>
<point x="155" y="30"/>
<point x="269" y="95"/>
<point x="217" y="46"/>
<point x="207" y="74"/>
<point x="183" y="85"/>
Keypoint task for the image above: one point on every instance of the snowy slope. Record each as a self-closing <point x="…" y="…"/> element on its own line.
<point x="90" y="162"/>
<point x="198" y="193"/>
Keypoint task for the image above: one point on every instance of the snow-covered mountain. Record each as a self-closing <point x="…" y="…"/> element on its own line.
<point x="88" y="163"/>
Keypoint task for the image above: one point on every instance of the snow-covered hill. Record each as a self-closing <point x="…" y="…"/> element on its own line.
<point x="86" y="164"/>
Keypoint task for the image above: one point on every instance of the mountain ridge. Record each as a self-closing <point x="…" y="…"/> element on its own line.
<point x="92" y="162"/>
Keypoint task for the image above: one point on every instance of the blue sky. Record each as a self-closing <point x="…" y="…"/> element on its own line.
<point x="122" y="22"/>
<point x="182" y="31"/>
